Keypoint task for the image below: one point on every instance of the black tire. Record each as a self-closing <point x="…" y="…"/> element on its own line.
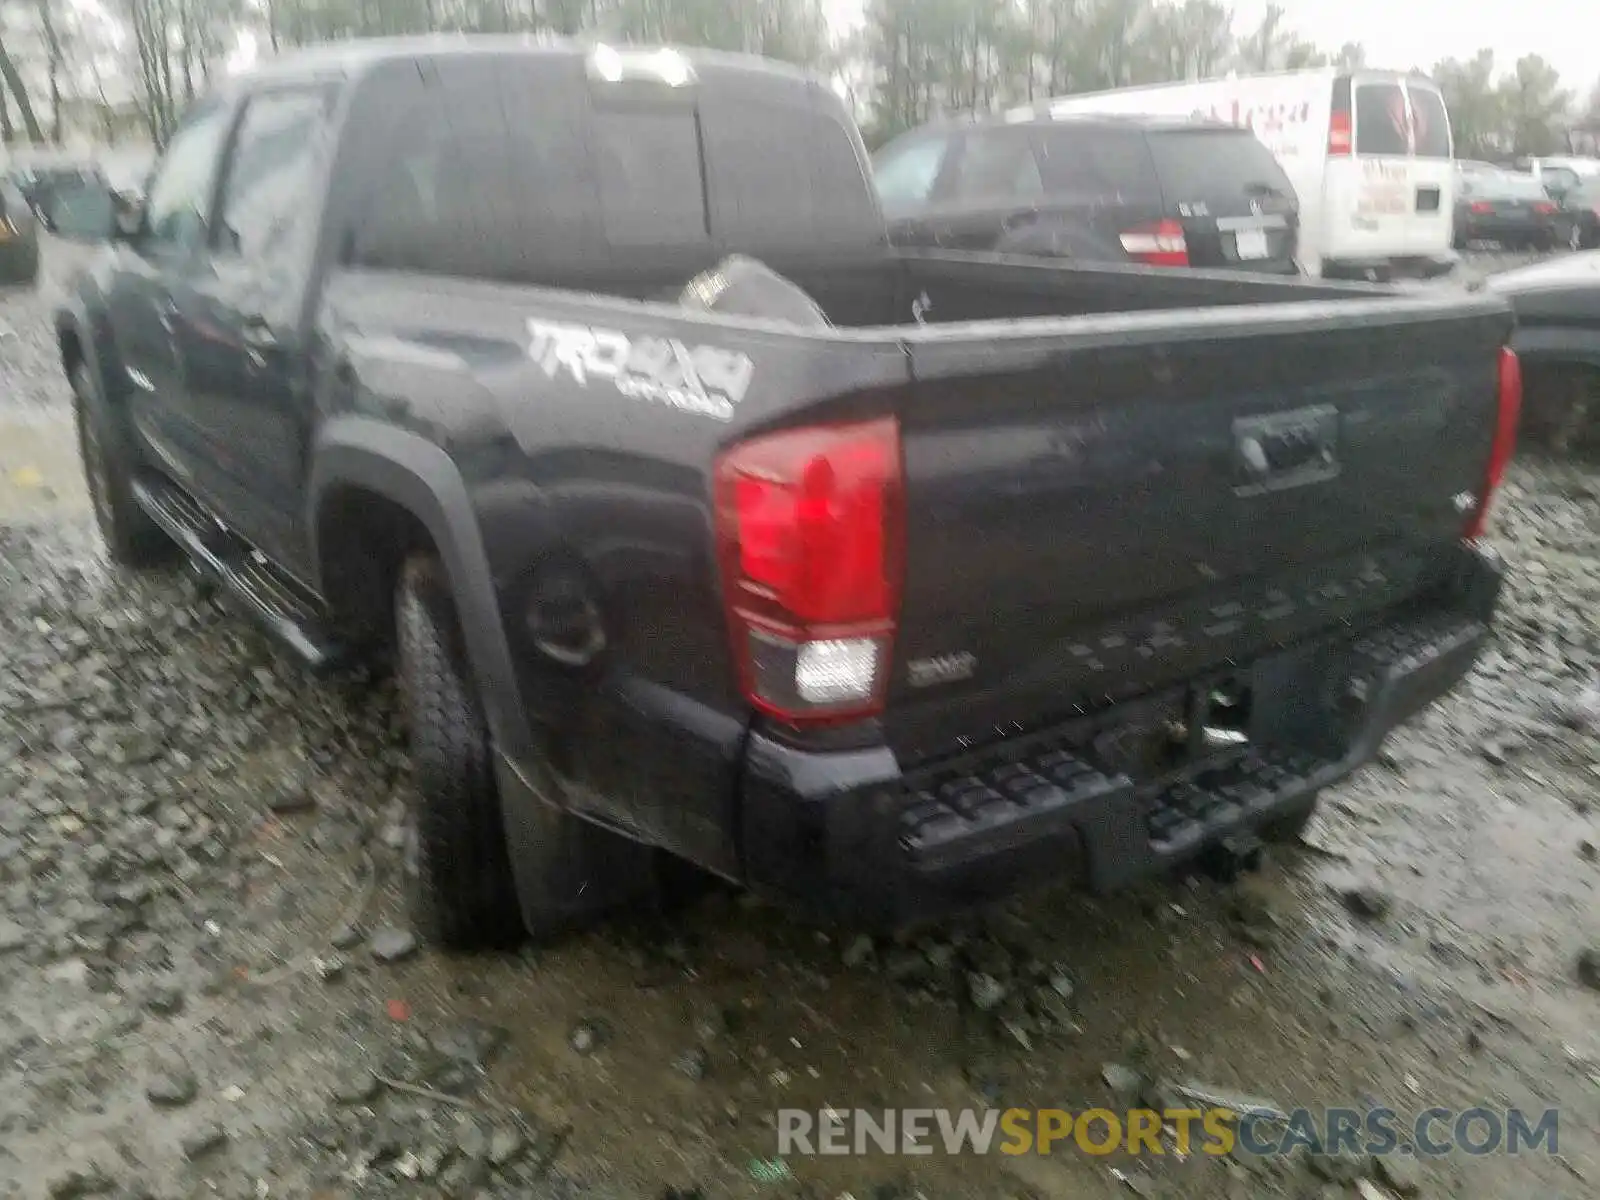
<point x="464" y="896"/>
<point x="132" y="539"/>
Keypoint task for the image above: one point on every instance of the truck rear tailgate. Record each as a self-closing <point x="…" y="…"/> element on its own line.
<point x="1096" y="512"/>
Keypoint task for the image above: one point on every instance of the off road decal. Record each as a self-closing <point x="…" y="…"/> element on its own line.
<point x="706" y="380"/>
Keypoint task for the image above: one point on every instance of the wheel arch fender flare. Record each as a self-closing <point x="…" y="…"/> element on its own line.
<point x="419" y="476"/>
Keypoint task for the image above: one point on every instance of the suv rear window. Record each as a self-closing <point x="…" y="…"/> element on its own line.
<point x="1217" y="165"/>
<point x="1381" y="120"/>
<point x="1432" y="122"/>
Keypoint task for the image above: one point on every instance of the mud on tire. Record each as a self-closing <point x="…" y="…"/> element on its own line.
<point x="464" y="896"/>
<point x="131" y="537"/>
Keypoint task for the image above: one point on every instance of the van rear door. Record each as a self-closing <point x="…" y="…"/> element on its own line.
<point x="1433" y="180"/>
<point x="1390" y="195"/>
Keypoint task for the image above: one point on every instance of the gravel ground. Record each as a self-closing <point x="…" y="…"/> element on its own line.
<point x="210" y="990"/>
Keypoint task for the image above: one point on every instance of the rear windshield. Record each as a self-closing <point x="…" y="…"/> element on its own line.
<point x="1381" y="120"/>
<point x="648" y="165"/>
<point x="1432" y="123"/>
<point x="1586" y="196"/>
<point x="1209" y="164"/>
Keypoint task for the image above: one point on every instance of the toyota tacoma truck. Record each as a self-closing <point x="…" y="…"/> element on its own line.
<point x="700" y="524"/>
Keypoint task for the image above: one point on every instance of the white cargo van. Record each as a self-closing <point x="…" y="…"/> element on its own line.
<point x="1368" y="152"/>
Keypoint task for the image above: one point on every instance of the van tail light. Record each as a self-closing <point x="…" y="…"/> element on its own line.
<point x="1481" y="206"/>
<point x="810" y="527"/>
<point x="1508" y="413"/>
<point x="1157" y="244"/>
<point x="1544" y="208"/>
<point x="1339" y="139"/>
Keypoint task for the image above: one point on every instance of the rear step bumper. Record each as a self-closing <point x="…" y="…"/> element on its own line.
<point x="834" y="841"/>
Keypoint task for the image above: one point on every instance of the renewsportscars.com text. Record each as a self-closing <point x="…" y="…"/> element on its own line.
<point x="1434" y="1132"/>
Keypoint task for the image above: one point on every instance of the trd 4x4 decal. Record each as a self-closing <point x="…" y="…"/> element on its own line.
<point x="706" y="380"/>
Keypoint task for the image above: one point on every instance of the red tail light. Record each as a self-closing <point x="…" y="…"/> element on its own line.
<point x="1157" y="244"/>
<point x="810" y="533"/>
<point x="1481" y="206"/>
<point x="1509" y="411"/>
<point x="1544" y="208"/>
<point x="1339" y="140"/>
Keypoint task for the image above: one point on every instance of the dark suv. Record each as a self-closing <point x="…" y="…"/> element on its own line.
<point x="1157" y="191"/>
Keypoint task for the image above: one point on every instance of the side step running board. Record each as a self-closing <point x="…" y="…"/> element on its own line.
<point x="275" y="601"/>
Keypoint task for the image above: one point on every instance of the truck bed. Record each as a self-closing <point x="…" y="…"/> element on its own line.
<point x="1082" y="515"/>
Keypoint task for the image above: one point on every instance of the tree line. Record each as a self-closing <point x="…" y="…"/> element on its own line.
<point x="907" y="62"/>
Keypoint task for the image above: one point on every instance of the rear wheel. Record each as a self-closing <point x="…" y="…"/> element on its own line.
<point x="464" y="897"/>
<point x="131" y="537"/>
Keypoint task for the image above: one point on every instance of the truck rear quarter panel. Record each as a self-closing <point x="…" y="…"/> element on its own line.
<point x="585" y="431"/>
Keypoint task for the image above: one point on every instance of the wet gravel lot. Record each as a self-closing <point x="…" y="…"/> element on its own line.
<point x="208" y="987"/>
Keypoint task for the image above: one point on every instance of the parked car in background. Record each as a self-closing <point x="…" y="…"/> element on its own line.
<point x="1580" y="213"/>
<point x="1513" y="210"/>
<point x="1368" y="153"/>
<point x="19" y="236"/>
<point x="41" y="179"/>
<point x="1156" y="191"/>
<point x="1557" y="340"/>
<point x="1560" y="175"/>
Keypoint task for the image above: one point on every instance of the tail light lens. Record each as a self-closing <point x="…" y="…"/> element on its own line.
<point x="1508" y="413"/>
<point x="1157" y="244"/>
<point x="810" y="534"/>
<point x="1544" y="208"/>
<point x="1481" y="206"/>
<point x="1339" y="139"/>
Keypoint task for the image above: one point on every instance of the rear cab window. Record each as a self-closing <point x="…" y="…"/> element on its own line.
<point x="647" y="165"/>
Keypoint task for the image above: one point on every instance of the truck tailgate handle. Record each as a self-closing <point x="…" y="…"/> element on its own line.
<point x="1279" y="450"/>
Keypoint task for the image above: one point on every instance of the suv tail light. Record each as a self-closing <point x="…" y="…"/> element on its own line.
<point x="1157" y="244"/>
<point x="810" y="527"/>
<point x="1544" y="208"/>
<point x="1481" y="206"/>
<point x="1339" y="141"/>
<point x="1508" y="412"/>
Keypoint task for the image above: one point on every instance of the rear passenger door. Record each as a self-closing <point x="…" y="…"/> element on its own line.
<point x="990" y="186"/>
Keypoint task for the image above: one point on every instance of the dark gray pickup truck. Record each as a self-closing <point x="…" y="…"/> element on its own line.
<point x="958" y="575"/>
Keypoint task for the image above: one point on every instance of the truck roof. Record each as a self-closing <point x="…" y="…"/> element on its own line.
<point x="357" y="56"/>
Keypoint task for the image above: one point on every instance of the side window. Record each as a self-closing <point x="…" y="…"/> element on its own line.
<point x="1094" y="163"/>
<point x="179" y="201"/>
<point x="647" y="164"/>
<point x="439" y="203"/>
<point x="998" y="167"/>
<point x="905" y="174"/>
<point x="269" y="191"/>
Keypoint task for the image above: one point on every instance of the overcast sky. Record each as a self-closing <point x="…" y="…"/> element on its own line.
<point x="1402" y="34"/>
